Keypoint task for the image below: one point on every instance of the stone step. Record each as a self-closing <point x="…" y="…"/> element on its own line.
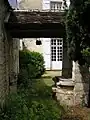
<point x="65" y="82"/>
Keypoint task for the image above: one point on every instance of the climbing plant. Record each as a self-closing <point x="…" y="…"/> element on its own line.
<point x="78" y="29"/>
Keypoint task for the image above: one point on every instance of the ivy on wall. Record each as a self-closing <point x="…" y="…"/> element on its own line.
<point x="78" y="29"/>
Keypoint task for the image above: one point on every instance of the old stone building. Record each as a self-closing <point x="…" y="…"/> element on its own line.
<point x="73" y="91"/>
<point x="30" y="4"/>
<point x="9" y="56"/>
<point x="50" y="48"/>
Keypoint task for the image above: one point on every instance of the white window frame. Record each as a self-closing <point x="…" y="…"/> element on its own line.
<point x="57" y="53"/>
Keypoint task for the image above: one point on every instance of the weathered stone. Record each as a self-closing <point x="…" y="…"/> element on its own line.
<point x="81" y="87"/>
<point x="81" y="98"/>
<point x="80" y="74"/>
<point x="65" y="83"/>
<point x="64" y="91"/>
<point x="8" y="62"/>
<point x="2" y="61"/>
<point x="66" y="99"/>
<point x="13" y="64"/>
<point x="3" y="66"/>
<point x="26" y="16"/>
<point x="64" y="95"/>
<point x="75" y="91"/>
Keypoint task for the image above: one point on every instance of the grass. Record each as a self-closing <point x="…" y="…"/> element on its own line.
<point x="89" y="115"/>
<point x="47" y="80"/>
<point x="33" y="103"/>
<point x="42" y="87"/>
<point x="83" y="114"/>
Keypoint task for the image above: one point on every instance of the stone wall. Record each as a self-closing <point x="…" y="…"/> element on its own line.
<point x="81" y="77"/>
<point x="4" y="79"/>
<point x="75" y="91"/>
<point x="9" y="58"/>
<point x="65" y="95"/>
<point x="13" y="63"/>
<point x="30" y="44"/>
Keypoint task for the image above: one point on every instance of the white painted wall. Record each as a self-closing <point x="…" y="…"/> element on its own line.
<point x="45" y="48"/>
<point x="47" y="41"/>
<point x="46" y="52"/>
<point x="21" y="45"/>
<point x="46" y="4"/>
<point x="30" y="44"/>
<point x="30" y="4"/>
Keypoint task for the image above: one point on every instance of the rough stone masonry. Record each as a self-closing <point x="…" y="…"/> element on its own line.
<point x="74" y="91"/>
<point x="9" y="68"/>
<point x="9" y="57"/>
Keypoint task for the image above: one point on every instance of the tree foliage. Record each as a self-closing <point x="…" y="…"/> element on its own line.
<point x="78" y="29"/>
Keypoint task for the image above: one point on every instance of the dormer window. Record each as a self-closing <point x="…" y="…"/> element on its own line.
<point x="55" y="6"/>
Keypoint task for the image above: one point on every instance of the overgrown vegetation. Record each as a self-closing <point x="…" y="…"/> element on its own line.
<point x="78" y="29"/>
<point x="33" y="103"/>
<point x="86" y="52"/>
<point x="33" y="100"/>
<point x="31" y="66"/>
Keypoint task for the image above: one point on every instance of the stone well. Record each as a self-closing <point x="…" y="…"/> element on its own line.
<point x="74" y="91"/>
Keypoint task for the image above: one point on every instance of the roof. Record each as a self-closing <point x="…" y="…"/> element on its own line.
<point x="25" y="16"/>
<point x="24" y="23"/>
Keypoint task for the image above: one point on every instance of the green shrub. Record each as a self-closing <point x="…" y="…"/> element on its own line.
<point x="20" y="107"/>
<point x="23" y="79"/>
<point x="32" y="61"/>
<point x="31" y="66"/>
<point x="86" y="52"/>
<point x="15" y="108"/>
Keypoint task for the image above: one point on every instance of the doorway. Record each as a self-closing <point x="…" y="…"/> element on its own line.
<point x="56" y="53"/>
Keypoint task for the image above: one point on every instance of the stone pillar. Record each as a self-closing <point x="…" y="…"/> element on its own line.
<point x="66" y="63"/>
<point x="4" y="75"/>
<point x="80" y="75"/>
<point x="9" y="57"/>
<point x="13" y="63"/>
<point x="4" y="78"/>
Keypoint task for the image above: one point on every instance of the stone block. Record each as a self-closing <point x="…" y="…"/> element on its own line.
<point x="64" y="95"/>
<point x="65" y="99"/>
<point x="81" y="78"/>
<point x="81" y="87"/>
<point x="81" y="98"/>
<point x="13" y="88"/>
<point x="65" y="83"/>
<point x="64" y="91"/>
<point x="1" y="49"/>
<point x="80" y="73"/>
<point x="2" y="61"/>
